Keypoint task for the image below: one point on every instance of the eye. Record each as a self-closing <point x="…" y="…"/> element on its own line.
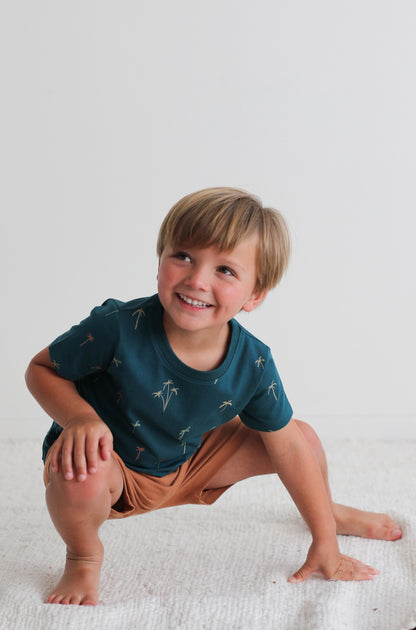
<point x="227" y="271"/>
<point x="182" y="256"/>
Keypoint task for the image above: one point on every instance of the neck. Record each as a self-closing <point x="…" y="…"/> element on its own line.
<point x="201" y="350"/>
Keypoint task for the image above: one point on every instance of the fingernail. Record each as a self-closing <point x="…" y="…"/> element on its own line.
<point x="82" y="477"/>
<point x="396" y="533"/>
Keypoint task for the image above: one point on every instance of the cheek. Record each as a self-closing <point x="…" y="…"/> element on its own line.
<point x="167" y="275"/>
<point x="230" y="294"/>
<point x="238" y="297"/>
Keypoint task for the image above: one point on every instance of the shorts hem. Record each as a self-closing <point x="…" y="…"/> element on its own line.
<point x="144" y="493"/>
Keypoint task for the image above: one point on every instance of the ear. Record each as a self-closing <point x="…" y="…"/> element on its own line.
<point x="254" y="301"/>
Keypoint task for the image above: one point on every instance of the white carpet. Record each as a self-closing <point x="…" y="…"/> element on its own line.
<point x="219" y="567"/>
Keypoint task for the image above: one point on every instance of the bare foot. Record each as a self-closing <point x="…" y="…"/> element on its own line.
<point x="79" y="582"/>
<point x="353" y="522"/>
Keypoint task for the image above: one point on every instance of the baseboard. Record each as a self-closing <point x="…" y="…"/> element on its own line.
<point x="391" y="428"/>
<point x="386" y="427"/>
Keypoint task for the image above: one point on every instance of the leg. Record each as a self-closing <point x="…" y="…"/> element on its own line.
<point x="251" y="460"/>
<point x="77" y="509"/>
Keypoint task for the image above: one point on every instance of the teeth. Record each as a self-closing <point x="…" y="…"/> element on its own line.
<point x="193" y="302"/>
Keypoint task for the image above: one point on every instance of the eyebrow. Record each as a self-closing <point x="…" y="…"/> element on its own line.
<point x="227" y="262"/>
<point x="230" y="262"/>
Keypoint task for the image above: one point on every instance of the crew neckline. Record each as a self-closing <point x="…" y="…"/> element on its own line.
<point x="163" y="347"/>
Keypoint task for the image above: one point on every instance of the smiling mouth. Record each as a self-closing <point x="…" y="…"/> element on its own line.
<point x="191" y="302"/>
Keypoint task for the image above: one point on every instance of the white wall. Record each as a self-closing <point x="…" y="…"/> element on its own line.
<point x="114" y="110"/>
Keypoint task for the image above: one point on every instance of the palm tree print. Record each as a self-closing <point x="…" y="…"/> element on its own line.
<point x="56" y="365"/>
<point x="116" y="362"/>
<point x="136" y="425"/>
<point x="140" y="313"/>
<point x="271" y="388"/>
<point x="225" y="404"/>
<point x="139" y="450"/>
<point x="89" y="338"/>
<point x="181" y="436"/>
<point x="260" y="362"/>
<point x="182" y="433"/>
<point x="166" y="393"/>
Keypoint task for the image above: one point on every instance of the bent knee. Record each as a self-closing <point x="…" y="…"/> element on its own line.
<point x="309" y="433"/>
<point x="76" y="492"/>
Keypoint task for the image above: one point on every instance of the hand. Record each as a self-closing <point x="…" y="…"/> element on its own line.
<point x="333" y="566"/>
<point x="78" y="446"/>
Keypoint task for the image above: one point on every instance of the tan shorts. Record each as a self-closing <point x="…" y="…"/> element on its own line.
<point x="188" y="484"/>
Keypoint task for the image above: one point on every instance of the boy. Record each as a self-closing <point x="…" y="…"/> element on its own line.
<point x="168" y="400"/>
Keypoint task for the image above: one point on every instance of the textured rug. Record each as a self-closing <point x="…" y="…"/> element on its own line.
<point x="219" y="567"/>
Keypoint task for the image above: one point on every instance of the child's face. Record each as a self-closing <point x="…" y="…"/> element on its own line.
<point x="202" y="289"/>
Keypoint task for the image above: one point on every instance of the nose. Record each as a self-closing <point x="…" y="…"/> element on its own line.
<point x="197" y="278"/>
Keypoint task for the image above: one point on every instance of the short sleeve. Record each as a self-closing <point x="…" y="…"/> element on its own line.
<point x="269" y="408"/>
<point x="88" y="347"/>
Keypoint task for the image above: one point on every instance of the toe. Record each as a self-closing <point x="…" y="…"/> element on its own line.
<point x="75" y="600"/>
<point x="396" y="534"/>
<point x="90" y="599"/>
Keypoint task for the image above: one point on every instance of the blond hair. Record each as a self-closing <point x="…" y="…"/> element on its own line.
<point x="223" y="217"/>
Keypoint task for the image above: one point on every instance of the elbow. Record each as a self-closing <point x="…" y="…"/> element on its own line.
<point x="35" y="367"/>
<point x="29" y="374"/>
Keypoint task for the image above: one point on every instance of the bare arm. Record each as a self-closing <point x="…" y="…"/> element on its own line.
<point x="298" y="468"/>
<point x="84" y="432"/>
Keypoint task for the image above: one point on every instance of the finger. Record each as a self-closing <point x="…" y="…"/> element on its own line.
<point x="301" y="575"/>
<point x="91" y="452"/>
<point x="363" y="571"/>
<point x="56" y="450"/>
<point x="106" y="445"/>
<point x="361" y="568"/>
<point x="80" y="462"/>
<point x="350" y="570"/>
<point x="66" y="458"/>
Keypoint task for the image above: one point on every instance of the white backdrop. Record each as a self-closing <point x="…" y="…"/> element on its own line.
<point x="111" y="111"/>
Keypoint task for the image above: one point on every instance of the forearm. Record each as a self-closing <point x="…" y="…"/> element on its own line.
<point x="56" y="395"/>
<point x="297" y="467"/>
<point x="84" y="436"/>
<point x="302" y="477"/>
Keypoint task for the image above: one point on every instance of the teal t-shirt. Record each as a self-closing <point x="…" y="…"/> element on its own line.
<point x="156" y="407"/>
